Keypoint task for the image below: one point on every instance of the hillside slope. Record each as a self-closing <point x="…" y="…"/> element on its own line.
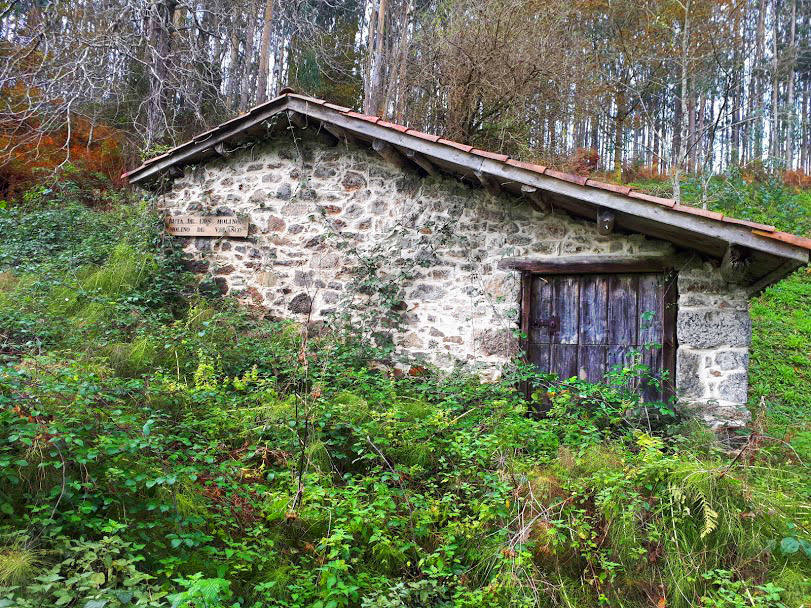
<point x="159" y="446"/>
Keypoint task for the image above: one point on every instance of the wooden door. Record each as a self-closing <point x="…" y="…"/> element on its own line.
<point x="584" y="324"/>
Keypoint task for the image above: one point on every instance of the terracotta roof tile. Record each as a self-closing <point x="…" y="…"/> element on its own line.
<point x="610" y="187"/>
<point x="455" y="144"/>
<point x="493" y="155"/>
<point x="422" y="135"/>
<point x="791" y="239"/>
<point x="528" y="166"/>
<point x="391" y="125"/>
<point x="713" y="215"/>
<point x="315" y="100"/>
<point x="667" y="202"/>
<point x="333" y="106"/>
<point x="567" y="177"/>
<point x="749" y="224"/>
<point x="366" y="117"/>
<point x="205" y="134"/>
<point x="155" y="159"/>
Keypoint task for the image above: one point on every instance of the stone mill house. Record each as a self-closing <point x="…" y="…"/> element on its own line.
<point x="474" y="245"/>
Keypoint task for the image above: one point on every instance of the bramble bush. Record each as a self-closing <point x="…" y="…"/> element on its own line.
<point x="161" y="447"/>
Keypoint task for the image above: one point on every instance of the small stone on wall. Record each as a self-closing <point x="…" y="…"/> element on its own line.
<point x="300" y="304"/>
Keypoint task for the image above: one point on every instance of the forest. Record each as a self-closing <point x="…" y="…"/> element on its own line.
<point x="651" y="88"/>
<point x="165" y="445"/>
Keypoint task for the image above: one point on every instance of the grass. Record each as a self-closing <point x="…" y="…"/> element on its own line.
<point x="780" y="357"/>
<point x="18" y="565"/>
<point x="780" y="360"/>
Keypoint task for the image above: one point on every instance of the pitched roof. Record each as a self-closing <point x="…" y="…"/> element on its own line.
<point x="703" y="230"/>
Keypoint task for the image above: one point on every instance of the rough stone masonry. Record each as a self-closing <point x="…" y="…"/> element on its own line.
<point x="318" y="214"/>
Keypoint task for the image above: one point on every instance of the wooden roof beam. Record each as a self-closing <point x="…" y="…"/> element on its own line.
<point x="300" y="121"/>
<point x="422" y="162"/>
<point x="569" y="264"/>
<point x="661" y="214"/>
<point x="537" y="198"/>
<point x="489" y="182"/>
<point x="339" y="133"/>
<point x="221" y="150"/>
<point x="605" y="221"/>
<point x="389" y="153"/>
<point x="772" y="277"/>
<point x="296" y="119"/>
<point x="669" y="223"/>
<point x="736" y="265"/>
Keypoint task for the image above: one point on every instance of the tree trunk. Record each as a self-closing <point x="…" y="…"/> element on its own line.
<point x="737" y="94"/>
<point x="699" y="135"/>
<point x="595" y="132"/>
<point x="367" y="78"/>
<point x="758" y="78"/>
<point x="375" y="95"/>
<point x="692" y="143"/>
<point x="679" y="148"/>
<point x="161" y="16"/>
<point x="774" y="130"/>
<point x="792" y="51"/>
<point x="619" y="126"/>
<point x="264" y="54"/>
<point x="248" y="71"/>
<point x="805" y="128"/>
<point x="233" y="63"/>
<point x="402" y="53"/>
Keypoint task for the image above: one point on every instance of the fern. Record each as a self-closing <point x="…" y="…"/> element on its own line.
<point x="710" y="515"/>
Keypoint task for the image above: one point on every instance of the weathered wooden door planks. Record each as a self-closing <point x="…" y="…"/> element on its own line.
<point x="584" y="324"/>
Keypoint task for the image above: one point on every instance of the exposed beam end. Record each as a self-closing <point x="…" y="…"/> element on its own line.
<point x="422" y="162"/>
<point x="489" y="183"/>
<point x="537" y="198"/>
<point x="296" y="119"/>
<point x="389" y="153"/>
<point x="736" y="265"/>
<point x="339" y="133"/>
<point x="605" y="221"/>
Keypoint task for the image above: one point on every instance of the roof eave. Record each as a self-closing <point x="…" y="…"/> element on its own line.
<point x="660" y="213"/>
<point x="196" y="146"/>
<point x="654" y="210"/>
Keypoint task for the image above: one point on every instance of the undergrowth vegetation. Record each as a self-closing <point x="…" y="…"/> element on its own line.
<point x="161" y="447"/>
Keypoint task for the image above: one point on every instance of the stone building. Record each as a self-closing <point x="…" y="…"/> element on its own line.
<point x="459" y="255"/>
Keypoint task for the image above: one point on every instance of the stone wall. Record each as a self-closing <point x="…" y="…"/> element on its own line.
<point x="338" y="231"/>
<point x="713" y="330"/>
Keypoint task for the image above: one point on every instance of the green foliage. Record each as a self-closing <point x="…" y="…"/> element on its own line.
<point x="767" y="199"/>
<point x="158" y="448"/>
<point x="202" y="592"/>
<point x="780" y="370"/>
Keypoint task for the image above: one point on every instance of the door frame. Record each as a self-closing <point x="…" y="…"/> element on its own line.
<point x="670" y="302"/>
